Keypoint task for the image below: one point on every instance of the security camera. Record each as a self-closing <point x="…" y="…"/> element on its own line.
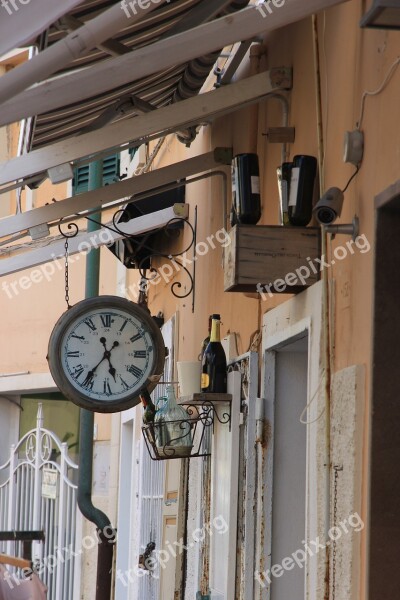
<point x="329" y="207"/>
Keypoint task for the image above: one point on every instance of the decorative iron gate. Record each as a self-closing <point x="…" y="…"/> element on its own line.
<point x="37" y="492"/>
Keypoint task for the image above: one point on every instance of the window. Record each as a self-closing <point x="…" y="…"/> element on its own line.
<point x="80" y="182"/>
<point x="59" y="415"/>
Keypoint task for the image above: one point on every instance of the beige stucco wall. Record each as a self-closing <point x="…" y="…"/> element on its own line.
<point x="352" y="60"/>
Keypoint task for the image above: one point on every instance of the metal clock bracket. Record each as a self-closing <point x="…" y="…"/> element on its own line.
<point x="178" y="261"/>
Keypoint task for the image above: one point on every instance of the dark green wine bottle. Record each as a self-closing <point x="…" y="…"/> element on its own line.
<point x="214" y="377"/>
<point x="206" y="339"/>
<point x="303" y="175"/>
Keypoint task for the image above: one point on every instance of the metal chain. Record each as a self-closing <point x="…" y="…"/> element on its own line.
<point x="66" y="274"/>
<point x="336" y="468"/>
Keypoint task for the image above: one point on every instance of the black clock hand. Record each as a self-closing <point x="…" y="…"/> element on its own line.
<point x="88" y="379"/>
<point x="90" y="374"/>
<point x="107" y="354"/>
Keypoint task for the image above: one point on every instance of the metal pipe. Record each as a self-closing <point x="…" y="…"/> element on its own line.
<point x="285" y="120"/>
<point x="93" y="514"/>
<point x="76" y="44"/>
<point x="256" y="51"/>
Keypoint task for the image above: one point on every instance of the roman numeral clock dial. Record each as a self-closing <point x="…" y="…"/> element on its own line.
<point x="104" y="352"/>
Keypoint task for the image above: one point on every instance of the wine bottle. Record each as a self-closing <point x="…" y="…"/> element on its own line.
<point x="206" y="339"/>
<point x="213" y="377"/>
<point x="246" y="205"/>
<point x="301" y="195"/>
<point x="284" y="175"/>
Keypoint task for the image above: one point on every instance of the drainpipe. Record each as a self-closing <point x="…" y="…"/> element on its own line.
<point x="93" y="514"/>
<point x="77" y="43"/>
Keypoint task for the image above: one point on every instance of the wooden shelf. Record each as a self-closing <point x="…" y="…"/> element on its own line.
<point x="265" y="254"/>
<point x="199" y="399"/>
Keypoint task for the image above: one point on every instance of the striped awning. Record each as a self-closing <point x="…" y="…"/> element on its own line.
<point x="174" y="84"/>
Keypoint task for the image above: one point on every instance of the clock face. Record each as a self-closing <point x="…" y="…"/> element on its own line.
<point x="103" y="351"/>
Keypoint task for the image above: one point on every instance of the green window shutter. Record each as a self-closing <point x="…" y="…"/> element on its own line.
<point x="80" y="182"/>
<point x="111" y="169"/>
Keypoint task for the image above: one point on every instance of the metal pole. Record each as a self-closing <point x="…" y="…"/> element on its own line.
<point x="93" y="514"/>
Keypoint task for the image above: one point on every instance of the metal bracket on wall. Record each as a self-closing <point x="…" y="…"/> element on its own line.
<point x="71" y="229"/>
<point x="201" y="415"/>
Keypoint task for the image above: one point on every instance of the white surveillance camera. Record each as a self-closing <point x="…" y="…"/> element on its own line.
<point x="329" y="207"/>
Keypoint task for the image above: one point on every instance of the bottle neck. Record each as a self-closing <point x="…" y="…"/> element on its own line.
<point x="171" y="396"/>
<point x="215" y="331"/>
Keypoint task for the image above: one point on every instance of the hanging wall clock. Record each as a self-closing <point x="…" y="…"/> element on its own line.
<point x="104" y="351"/>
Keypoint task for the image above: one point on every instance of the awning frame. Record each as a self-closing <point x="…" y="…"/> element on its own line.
<point x="165" y="53"/>
<point x="158" y="123"/>
<point x="124" y="189"/>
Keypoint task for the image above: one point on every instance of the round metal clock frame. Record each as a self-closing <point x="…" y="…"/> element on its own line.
<point x="104" y="352"/>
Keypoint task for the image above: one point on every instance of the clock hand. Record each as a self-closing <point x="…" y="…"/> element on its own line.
<point x="107" y="354"/>
<point x="112" y="371"/>
<point x="92" y="371"/>
<point x="88" y="378"/>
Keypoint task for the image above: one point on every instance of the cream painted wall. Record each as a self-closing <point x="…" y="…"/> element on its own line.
<point x="352" y="61"/>
<point x="32" y="309"/>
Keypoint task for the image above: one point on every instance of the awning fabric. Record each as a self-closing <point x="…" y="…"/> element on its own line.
<point x="171" y="85"/>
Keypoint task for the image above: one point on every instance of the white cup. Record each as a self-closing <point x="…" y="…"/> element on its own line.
<point x="189" y="374"/>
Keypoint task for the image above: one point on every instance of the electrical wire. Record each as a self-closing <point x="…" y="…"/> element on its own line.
<point x="351" y="178"/>
<point x="255" y="341"/>
<point x="307" y="406"/>
<point x="325" y="60"/>
<point x="380" y="89"/>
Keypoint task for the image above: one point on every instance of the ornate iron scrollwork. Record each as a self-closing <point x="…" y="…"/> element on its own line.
<point x="201" y="416"/>
<point x="71" y="229"/>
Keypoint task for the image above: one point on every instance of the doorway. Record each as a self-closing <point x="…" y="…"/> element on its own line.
<point x="289" y="467"/>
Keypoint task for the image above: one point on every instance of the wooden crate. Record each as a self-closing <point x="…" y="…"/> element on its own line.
<point x="282" y="258"/>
